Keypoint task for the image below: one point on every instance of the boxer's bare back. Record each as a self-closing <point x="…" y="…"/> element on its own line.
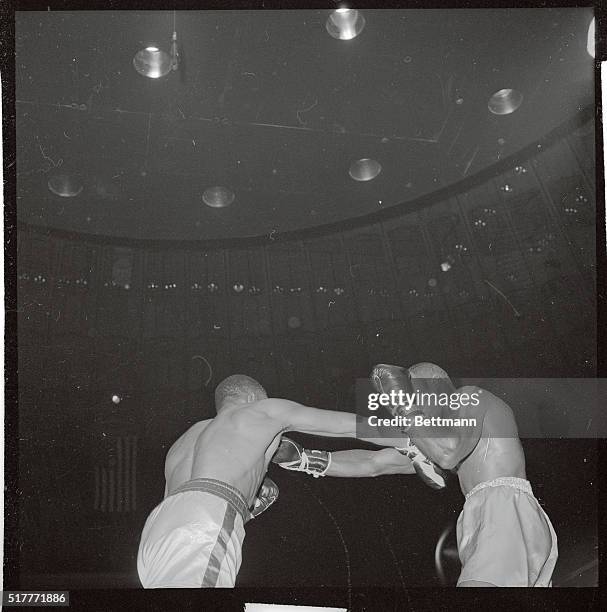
<point x="234" y="447"/>
<point x="237" y="445"/>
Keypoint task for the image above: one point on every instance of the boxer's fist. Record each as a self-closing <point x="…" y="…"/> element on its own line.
<point x="266" y="496"/>
<point x="291" y="455"/>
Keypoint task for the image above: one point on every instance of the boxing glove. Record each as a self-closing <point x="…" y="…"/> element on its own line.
<point x="392" y="378"/>
<point x="429" y="473"/>
<point x="266" y="496"/>
<point x="291" y="455"/>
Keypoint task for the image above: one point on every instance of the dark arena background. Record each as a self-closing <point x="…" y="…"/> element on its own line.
<point x="472" y="247"/>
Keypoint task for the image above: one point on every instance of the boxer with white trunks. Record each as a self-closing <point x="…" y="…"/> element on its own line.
<point x="216" y="481"/>
<point x="504" y="537"/>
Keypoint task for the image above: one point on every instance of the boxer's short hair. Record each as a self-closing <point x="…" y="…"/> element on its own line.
<point x="236" y="386"/>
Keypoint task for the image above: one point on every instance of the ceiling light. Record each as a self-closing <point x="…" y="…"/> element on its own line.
<point x="345" y="23"/>
<point x="294" y="322"/>
<point x="218" y="197"/>
<point x="65" y="185"/>
<point x="591" y="39"/>
<point x="152" y="62"/>
<point x="365" y="169"/>
<point x="505" y="101"/>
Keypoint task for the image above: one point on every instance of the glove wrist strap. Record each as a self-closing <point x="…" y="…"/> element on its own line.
<point x="313" y="462"/>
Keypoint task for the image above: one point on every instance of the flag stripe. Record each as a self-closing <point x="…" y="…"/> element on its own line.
<point x="119" y="483"/>
<point x="127" y="483"/>
<point x="97" y="488"/>
<point x="103" y="488"/>
<point x="134" y="473"/>
<point x="112" y="490"/>
<point x="115" y="487"/>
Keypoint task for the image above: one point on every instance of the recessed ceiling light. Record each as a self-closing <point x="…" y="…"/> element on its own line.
<point x="505" y="101"/>
<point x="153" y="63"/>
<point x="65" y="185"/>
<point x="591" y="39"/>
<point x="365" y="169"/>
<point x="345" y="23"/>
<point x="294" y="322"/>
<point x="218" y="197"/>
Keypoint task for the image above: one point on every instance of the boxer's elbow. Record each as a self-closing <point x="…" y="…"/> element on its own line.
<point x="456" y="449"/>
<point x="448" y="461"/>
<point x="448" y="458"/>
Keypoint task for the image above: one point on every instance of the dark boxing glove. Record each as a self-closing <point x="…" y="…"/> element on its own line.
<point x="389" y="378"/>
<point x="392" y="379"/>
<point x="266" y="496"/>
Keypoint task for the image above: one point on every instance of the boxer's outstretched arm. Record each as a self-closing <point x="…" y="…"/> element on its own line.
<point x="330" y="423"/>
<point x="358" y="463"/>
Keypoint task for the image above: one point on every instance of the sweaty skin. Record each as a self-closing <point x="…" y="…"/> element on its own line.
<point x="237" y="445"/>
<point x="496" y="452"/>
<point x="233" y="447"/>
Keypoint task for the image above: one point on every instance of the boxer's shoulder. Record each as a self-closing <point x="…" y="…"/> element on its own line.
<point x="496" y="413"/>
<point x="273" y="406"/>
<point x="189" y="436"/>
<point x="196" y="429"/>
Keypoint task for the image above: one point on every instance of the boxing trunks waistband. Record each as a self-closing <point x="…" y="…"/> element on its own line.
<point x="220" y="489"/>
<point x="503" y="481"/>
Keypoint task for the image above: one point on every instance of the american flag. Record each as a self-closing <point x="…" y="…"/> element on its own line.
<point x="116" y="480"/>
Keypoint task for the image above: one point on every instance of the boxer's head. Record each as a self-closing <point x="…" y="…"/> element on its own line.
<point x="238" y="389"/>
<point x="430" y="378"/>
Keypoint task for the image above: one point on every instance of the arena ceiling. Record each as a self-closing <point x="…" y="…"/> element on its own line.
<point x="269" y="105"/>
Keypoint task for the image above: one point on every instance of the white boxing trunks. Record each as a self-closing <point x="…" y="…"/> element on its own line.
<point x="504" y="537"/>
<point x="194" y="537"/>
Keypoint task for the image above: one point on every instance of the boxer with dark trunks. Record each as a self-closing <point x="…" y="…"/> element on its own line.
<point x="216" y="481"/>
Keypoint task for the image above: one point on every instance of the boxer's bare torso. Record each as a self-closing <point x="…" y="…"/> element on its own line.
<point x="237" y="445"/>
<point x="234" y="447"/>
<point x="499" y="451"/>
